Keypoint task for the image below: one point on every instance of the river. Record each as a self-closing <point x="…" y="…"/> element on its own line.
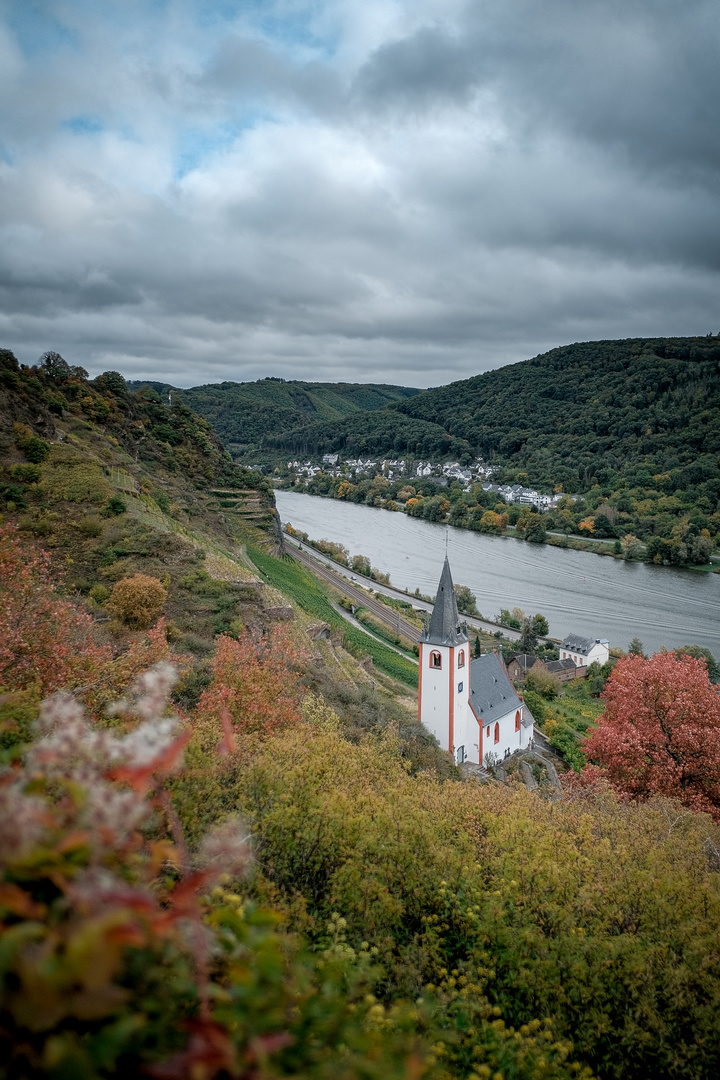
<point x="576" y="591"/>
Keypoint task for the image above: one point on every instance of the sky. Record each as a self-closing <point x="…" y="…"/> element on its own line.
<point x="402" y="191"/>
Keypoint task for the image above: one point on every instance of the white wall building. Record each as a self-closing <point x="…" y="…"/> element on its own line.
<point x="585" y="651"/>
<point x="471" y="707"/>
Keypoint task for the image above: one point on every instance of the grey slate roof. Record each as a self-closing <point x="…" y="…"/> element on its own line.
<point x="560" y="665"/>
<point x="581" y="644"/>
<point x="525" y="660"/>
<point x="444" y="627"/>
<point x="492" y="695"/>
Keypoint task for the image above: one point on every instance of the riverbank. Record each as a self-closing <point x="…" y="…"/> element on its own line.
<point x="422" y="603"/>
<point x="613" y="548"/>
<point x="605" y="598"/>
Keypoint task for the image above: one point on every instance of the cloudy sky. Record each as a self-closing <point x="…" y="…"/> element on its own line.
<point x="405" y="191"/>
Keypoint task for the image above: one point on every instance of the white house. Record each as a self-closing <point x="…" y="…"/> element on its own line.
<point x="471" y="707"/>
<point x="585" y="651"/>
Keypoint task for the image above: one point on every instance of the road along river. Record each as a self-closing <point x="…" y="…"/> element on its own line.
<point x="574" y="590"/>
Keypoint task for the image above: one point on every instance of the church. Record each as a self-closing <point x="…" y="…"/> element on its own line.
<point x="470" y="706"/>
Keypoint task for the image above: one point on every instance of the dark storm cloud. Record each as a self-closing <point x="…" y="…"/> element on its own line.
<point x="423" y="70"/>
<point x="408" y="192"/>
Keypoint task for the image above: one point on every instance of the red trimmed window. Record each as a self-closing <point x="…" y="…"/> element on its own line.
<point x="497" y="733"/>
<point x="461" y="658"/>
<point x="517" y="720"/>
<point x="487" y="731"/>
<point x="435" y="660"/>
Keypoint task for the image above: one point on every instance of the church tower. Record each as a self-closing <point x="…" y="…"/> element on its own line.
<point x="444" y="681"/>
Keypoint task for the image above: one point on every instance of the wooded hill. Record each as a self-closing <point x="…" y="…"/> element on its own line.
<point x="577" y="415"/>
<point x="245" y="414"/>
<point x="113" y="483"/>
<point x="288" y="878"/>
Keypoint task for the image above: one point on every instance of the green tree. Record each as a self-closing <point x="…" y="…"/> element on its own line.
<point x="466" y="601"/>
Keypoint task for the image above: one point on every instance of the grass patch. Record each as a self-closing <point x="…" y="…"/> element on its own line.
<point x="295" y="582"/>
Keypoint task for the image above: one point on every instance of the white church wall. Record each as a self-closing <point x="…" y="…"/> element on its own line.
<point x="443" y="693"/>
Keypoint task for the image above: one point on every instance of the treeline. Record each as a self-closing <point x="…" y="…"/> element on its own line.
<point x="246" y="414"/>
<point x="579" y="414"/>
<point x="643" y="522"/>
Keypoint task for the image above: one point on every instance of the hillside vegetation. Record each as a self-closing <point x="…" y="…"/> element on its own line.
<point x="576" y="415"/>
<point x="244" y="415"/>
<point x="630" y="430"/>
<point x="228" y="849"/>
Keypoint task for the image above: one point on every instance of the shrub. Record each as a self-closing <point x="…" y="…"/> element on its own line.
<point x="34" y="448"/>
<point x="536" y="704"/>
<point x="26" y="474"/>
<point x="543" y="683"/>
<point x="114" y="507"/>
<point x="91" y="526"/>
<point x="137" y="601"/>
<point x="43" y="639"/>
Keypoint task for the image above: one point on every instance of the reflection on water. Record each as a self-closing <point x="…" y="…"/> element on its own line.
<point x="576" y="591"/>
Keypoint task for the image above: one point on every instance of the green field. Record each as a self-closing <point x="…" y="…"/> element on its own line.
<point x="297" y="584"/>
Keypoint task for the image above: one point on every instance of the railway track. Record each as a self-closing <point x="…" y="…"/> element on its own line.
<point x="359" y="597"/>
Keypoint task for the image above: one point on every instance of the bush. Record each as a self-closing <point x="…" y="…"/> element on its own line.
<point x="91" y="526"/>
<point x="137" y="601"/>
<point x="114" y="507"/>
<point x="543" y="683"/>
<point x="34" y="448"/>
<point x="26" y="474"/>
<point x="536" y="704"/>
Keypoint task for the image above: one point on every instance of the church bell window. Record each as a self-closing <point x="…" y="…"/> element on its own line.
<point x="435" y="660"/>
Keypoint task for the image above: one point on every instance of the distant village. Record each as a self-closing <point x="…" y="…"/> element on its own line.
<point x="440" y="473"/>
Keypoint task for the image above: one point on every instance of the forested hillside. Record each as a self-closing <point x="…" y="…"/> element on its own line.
<point x="245" y="414"/>
<point x="227" y="847"/>
<point x="577" y="415"/>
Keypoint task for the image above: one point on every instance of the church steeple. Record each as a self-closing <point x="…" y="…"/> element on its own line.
<point x="444" y="627"/>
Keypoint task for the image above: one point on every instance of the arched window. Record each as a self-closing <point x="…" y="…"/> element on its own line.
<point x="517" y="720"/>
<point x="497" y="733"/>
<point x="487" y="732"/>
<point x="461" y="658"/>
<point x="435" y="660"/>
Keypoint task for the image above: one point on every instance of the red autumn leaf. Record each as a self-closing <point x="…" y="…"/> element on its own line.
<point x="660" y="734"/>
<point x="17" y="901"/>
<point x="228" y="743"/>
<point x="184" y="896"/>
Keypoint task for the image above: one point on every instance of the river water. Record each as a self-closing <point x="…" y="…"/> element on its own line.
<point x="576" y="591"/>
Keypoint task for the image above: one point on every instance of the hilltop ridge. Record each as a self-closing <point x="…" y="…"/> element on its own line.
<point x="245" y="414"/>
<point x="578" y="414"/>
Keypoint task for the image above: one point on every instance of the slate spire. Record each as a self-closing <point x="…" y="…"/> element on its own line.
<point x="444" y="627"/>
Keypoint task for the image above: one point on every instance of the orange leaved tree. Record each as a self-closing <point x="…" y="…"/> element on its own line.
<point x="44" y="639"/>
<point x="255" y="682"/>
<point x="660" y="734"/>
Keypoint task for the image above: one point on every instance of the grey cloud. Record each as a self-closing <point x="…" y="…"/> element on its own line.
<point x="249" y="70"/>
<point x="465" y="195"/>
<point x="424" y="70"/>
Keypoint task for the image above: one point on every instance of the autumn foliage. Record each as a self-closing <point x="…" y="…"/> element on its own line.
<point x="255" y="683"/>
<point x="44" y="639"/>
<point x="660" y="734"/>
<point x="137" y="601"/>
